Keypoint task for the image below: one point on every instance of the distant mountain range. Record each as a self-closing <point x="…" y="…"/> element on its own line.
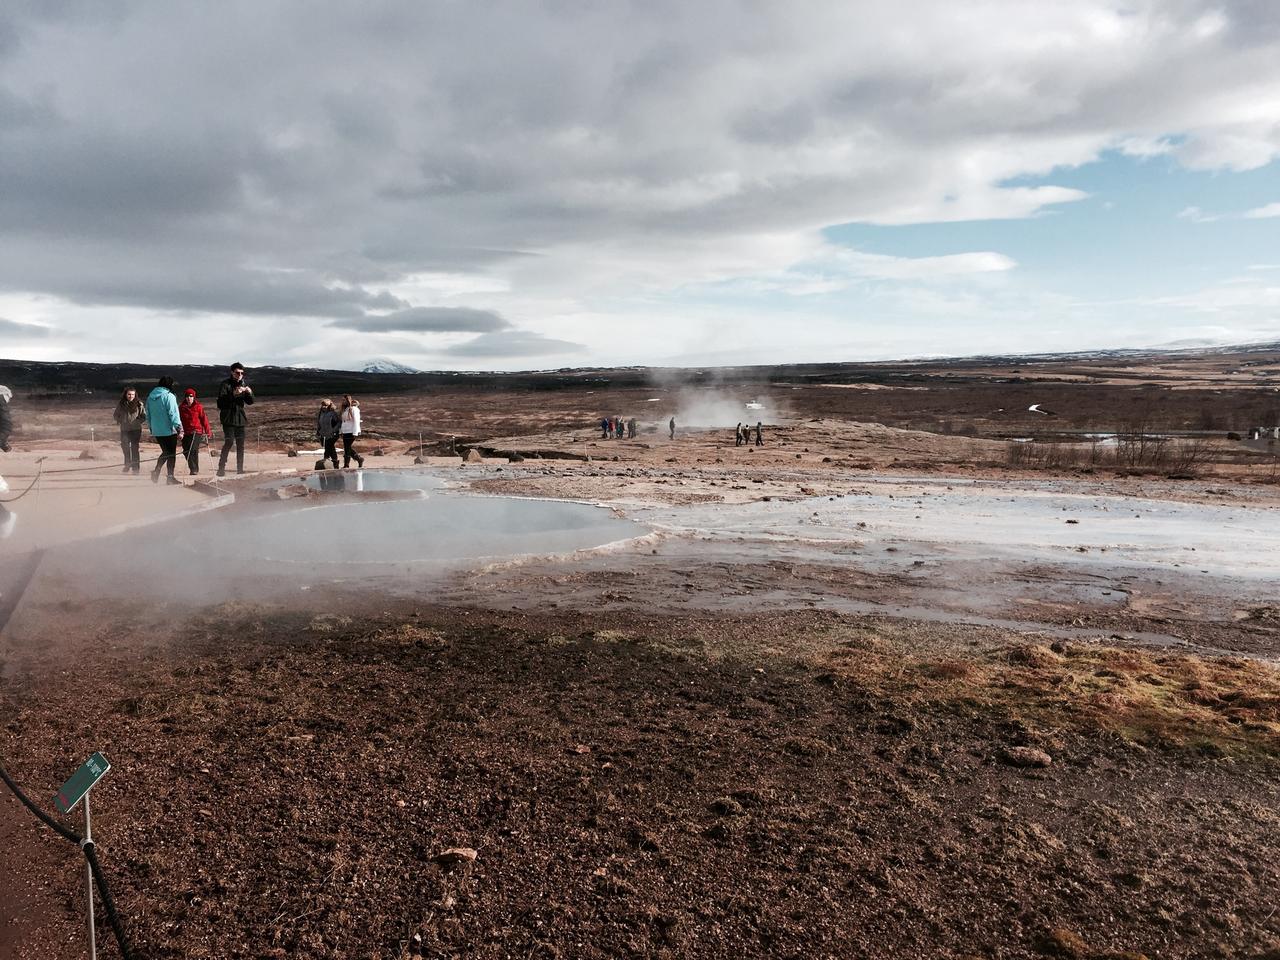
<point x="36" y="378"/>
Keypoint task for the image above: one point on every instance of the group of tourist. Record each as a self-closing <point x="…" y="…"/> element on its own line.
<point x="172" y="423"/>
<point x="742" y="436"/>
<point x="617" y="428"/>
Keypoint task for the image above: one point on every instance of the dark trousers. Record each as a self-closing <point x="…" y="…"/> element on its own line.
<point x="349" y="451"/>
<point x="129" y="442"/>
<point x="191" y="450"/>
<point x="168" y="454"/>
<point x="232" y="435"/>
<point x="330" y="451"/>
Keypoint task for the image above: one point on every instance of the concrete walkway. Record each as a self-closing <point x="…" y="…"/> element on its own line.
<point x="79" y="498"/>
<point x="74" y="498"/>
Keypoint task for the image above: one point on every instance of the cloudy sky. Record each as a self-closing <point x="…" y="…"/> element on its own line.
<point x="513" y="185"/>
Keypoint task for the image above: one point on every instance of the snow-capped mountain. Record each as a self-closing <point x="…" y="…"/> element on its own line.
<point x="384" y="365"/>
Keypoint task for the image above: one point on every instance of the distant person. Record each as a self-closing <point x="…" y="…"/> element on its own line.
<point x="631" y="429"/>
<point x="166" y="427"/>
<point x="737" y="435"/>
<point x="621" y="428"/>
<point x="130" y="414"/>
<point x="195" y="429"/>
<point x="672" y="427"/>
<point x="233" y="396"/>
<point x="350" y="416"/>
<point x="328" y="429"/>
<point x="759" y="435"/>
<point x="8" y="518"/>
<point x="604" y="428"/>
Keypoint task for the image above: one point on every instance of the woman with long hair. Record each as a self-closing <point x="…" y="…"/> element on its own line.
<point x="130" y="414"/>
<point x="350" y="416"/>
<point x="328" y="429"/>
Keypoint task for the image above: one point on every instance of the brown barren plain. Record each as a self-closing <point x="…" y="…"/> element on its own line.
<point x="682" y="748"/>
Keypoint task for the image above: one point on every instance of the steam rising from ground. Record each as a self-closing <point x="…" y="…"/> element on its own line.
<point x="718" y="409"/>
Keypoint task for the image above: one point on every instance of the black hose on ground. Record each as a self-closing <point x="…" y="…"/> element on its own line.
<point x="86" y="846"/>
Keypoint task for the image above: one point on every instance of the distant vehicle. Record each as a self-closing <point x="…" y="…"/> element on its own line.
<point x="754" y="405"/>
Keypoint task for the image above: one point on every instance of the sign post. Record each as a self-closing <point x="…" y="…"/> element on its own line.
<point x="73" y="791"/>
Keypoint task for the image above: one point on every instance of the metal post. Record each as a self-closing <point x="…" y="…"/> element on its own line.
<point x="88" y="836"/>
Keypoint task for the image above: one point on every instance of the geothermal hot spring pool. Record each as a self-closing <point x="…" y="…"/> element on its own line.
<point x="436" y="527"/>
<point x="263" y="547"/>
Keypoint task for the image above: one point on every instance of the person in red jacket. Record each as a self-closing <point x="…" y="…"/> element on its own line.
<point x="195" y="429"/>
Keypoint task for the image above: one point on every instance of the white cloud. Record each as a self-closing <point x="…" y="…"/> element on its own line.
<point x="557" y="162"/>
<point x="1258" y="213"/>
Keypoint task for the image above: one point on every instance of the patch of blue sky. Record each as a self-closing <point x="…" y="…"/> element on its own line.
<point x="1130" y="237"/>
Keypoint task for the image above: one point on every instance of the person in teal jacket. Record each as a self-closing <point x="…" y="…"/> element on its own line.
<point x="166" y="427"/>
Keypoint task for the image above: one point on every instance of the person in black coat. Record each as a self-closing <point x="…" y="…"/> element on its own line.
<point x="8" y="519"/>
<point x="233" y="396"/>
<point x="328" y="429"/>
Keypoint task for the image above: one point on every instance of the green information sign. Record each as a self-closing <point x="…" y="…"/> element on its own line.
<point x="74" y="789"/>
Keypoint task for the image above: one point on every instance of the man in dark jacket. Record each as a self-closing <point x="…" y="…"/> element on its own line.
<point x="7" y="517"/>
<point x="233" y="396"/>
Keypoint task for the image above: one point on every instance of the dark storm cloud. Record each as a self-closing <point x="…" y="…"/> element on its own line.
<point x="514" y="344"/>
<point x="14" y="328"/>
<point x="427" y="320"/>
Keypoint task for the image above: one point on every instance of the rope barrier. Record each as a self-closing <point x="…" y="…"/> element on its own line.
<point x="87" y="848"/>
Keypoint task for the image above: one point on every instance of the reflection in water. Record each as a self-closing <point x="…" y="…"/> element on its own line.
<point x="368" y="481"/>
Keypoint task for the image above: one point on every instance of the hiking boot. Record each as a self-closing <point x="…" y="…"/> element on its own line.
<point x="222" y="471"/>
<point x="155" y="476"/>
<point x="174" y="481"/>
<point x="126" y="469"/>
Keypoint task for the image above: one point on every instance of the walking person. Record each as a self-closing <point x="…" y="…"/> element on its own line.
<point x="328" y="429"/>
<point x="195" y="429"/>
<point x="672" y="427"/>
<point x="737" y="435"/>
<point x="350" y="416"/>
<point x="759" y="435"/>
<point x="8" y="519"/>
<point x="604" y="428"/>
<point x="631" y="429"/>
<point x="166" y="427"/>
<point x="130" y="414"/>
<point x="233" y="396"/>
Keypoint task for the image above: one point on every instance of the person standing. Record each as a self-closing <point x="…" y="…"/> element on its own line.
<point x="350" y="430"/>
<point x="195" y="429"/>
<point x="8" y="519"/>
<point x="233" y="396"/>
<point x="672" y="427"/>
<point x="130" y="414"/>
<point x="631" y="429"/>
<point x="166" y="427"/>
<point x="759" y="435"/>
<point x="328" y="429"/>
<point x="737" y="435"/>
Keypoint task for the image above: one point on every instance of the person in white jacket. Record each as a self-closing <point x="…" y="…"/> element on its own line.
<point x="350" y="430"/>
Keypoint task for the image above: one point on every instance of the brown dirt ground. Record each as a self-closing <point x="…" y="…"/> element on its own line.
<point x="795" y="785"/>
